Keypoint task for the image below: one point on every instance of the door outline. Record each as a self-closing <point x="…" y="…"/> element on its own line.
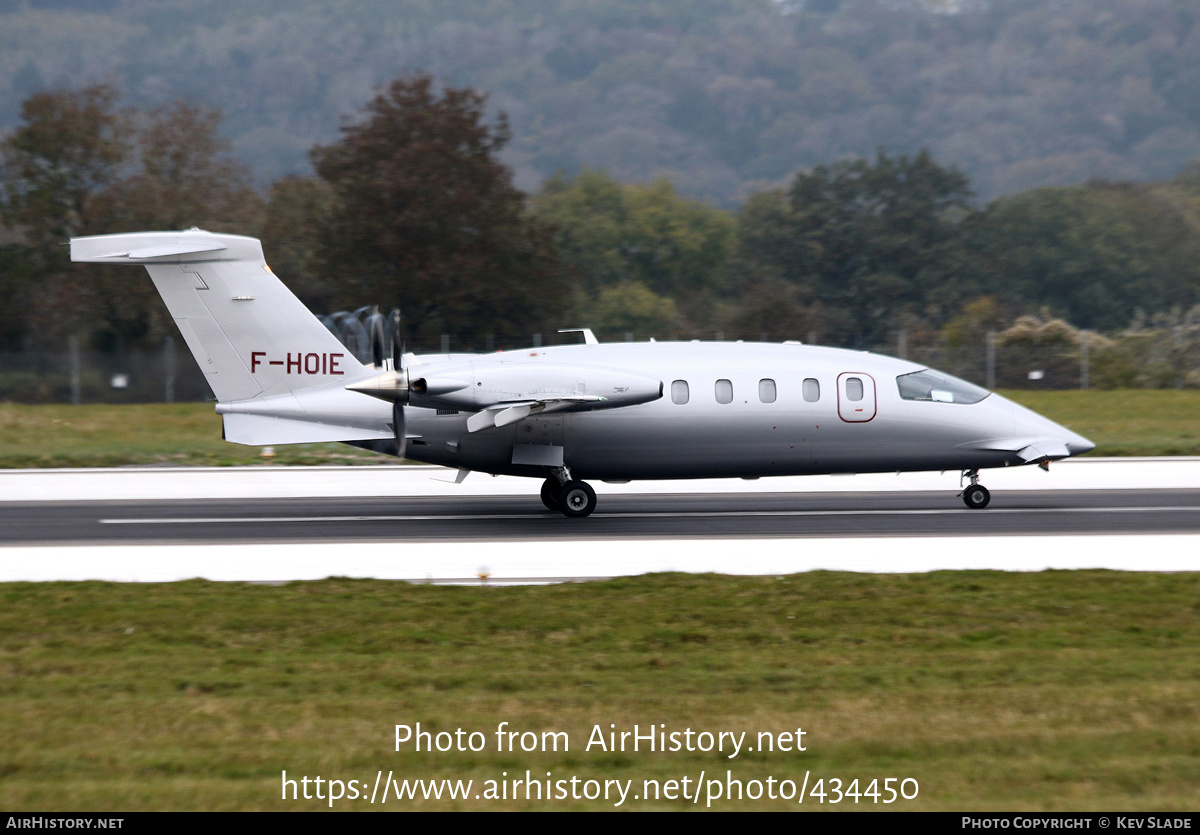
<point x="862" y="411"/>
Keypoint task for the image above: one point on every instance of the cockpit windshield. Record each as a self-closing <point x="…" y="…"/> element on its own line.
<point x="937" y="387"/>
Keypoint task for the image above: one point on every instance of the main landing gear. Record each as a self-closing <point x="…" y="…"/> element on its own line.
<point x="975" y="496"/>
<point x="569" y="497"/>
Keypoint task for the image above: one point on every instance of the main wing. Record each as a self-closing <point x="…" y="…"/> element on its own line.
<point x="502" y="391"/>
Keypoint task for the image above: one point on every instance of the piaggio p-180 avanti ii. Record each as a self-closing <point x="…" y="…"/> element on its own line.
<point x="564" y="414"/>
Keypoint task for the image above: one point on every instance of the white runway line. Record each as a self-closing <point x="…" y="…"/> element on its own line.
<point x="648" y="514"/>
<point x="509" y="562"/>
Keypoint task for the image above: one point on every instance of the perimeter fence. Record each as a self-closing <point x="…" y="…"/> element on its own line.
<point x="170" y="374"/>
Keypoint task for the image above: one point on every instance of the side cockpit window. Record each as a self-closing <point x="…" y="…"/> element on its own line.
<point x="936" y="387"/>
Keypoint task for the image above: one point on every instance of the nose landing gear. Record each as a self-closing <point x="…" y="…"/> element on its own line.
<point x="975" y="496"/>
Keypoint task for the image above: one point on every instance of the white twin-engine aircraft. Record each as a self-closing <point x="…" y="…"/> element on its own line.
<point x="615" y="411"/>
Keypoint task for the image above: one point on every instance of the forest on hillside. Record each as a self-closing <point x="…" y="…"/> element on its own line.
<point x="723" y="98"/>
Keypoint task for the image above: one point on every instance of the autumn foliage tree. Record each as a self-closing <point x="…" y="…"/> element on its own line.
<point x="82" y="165"/>
<point x="427" y="218"/>
<point x="70" y="147"/>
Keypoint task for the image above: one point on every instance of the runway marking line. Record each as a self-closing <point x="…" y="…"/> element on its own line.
<point x="266" y="520"/>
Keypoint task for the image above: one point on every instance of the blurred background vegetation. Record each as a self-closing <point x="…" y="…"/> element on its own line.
<point x="718" y="96"/>
<point x="995" y="188"/>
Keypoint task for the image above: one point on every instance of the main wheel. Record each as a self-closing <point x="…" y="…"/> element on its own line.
<point x="550" y="488"/>
<point x="576" y="498"/>
<point x="976" y="497"/>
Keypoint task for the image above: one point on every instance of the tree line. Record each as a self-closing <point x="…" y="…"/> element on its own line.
<point x="411" y="209"/>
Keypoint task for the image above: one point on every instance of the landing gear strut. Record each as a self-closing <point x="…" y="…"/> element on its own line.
<point x="976" y="496"/>
<point x="568" y="496"/>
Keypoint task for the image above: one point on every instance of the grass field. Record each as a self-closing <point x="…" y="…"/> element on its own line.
<point x="1141" y="422"/>
<point x="111" y="436"/>
<point x="1046" y="691"/>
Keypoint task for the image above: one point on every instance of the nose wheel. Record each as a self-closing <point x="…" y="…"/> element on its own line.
<point x="975" y="496"/>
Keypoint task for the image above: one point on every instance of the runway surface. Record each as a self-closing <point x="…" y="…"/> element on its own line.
<point x="506" y="518"/>
<point x="162" y="525"/>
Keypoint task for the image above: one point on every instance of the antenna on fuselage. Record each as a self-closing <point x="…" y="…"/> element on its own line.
<point x="589" y="338"/>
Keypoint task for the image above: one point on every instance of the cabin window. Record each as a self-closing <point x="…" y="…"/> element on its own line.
<point x="938" y="387"/>
<point x="724" y="391"/>
<point x="766" y="391"/>
<point x="679" y="392"/>
<point x="812" y="390"/>
<point x="854" y="389"/>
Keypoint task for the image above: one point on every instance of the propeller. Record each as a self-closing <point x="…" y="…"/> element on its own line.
<point x="396" y="386"/>
<point x="375" y="331"/>
<point x="402" y="375"/>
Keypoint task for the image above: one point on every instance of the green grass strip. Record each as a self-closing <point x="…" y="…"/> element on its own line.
<point x="1025" y="691"/>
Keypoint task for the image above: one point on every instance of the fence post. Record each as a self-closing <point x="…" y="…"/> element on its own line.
<point x="902" y="344"/>
<point x="76" y="385"/>
<point x="991" y="360"/>
<point x="445" y="343"/>
<point x="1083" y="362"/>
<point x="169" y="369"/>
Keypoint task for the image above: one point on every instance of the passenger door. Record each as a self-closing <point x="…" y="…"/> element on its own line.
<point x="856" y="397"/>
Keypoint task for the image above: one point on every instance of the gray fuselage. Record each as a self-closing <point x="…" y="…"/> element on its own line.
<point x="747" y="412"/>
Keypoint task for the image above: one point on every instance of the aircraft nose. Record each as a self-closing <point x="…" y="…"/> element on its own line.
<point x="1050" y="435"/>
<point x="1077" y="444"/>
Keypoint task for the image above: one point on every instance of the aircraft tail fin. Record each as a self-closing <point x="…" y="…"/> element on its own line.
<point x="249" y="333"/>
